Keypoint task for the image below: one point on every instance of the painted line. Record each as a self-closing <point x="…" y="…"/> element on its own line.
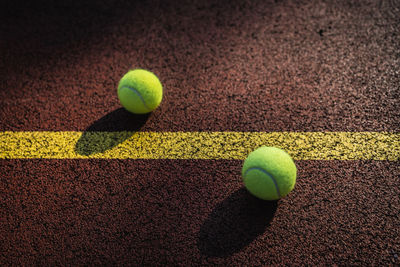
<point x="198" y="145"/>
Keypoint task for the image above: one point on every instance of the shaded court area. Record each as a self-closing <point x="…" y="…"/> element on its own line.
<point x="226" y="66"/>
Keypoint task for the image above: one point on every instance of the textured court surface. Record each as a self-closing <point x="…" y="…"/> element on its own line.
<point x="83" y="182"/>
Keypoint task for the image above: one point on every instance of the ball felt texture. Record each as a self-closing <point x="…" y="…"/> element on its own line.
<point x="140" y="91"/>
<point x="269" y="173"/>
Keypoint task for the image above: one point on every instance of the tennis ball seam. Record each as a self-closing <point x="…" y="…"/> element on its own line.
<point x="268" y="174"/>
<point x="138" y="94"/>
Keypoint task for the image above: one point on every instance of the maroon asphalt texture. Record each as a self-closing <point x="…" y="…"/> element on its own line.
<point x="225" y="66"/>
<point x="177" y="212"/>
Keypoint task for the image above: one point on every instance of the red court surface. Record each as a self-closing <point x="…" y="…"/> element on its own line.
<point x="264" y="66"/>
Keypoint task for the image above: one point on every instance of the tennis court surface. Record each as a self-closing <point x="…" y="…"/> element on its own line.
<point x="84" y="182"/>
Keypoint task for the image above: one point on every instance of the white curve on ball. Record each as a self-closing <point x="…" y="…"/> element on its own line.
<point x="268" y="174"/>
<point x="138" y="94"/>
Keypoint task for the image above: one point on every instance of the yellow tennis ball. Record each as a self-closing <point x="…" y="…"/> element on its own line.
<point x="269" y="173"/>
<point x="140" y="91"/>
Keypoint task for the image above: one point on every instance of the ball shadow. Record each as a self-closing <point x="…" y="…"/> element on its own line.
<point x="234" y="224"/>
<point x="109" y="131"/>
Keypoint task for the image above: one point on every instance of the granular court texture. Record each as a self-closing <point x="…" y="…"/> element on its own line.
<point x="285" y="68"/>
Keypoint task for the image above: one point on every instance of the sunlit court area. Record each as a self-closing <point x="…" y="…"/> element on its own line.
<point x="200" y="133"/>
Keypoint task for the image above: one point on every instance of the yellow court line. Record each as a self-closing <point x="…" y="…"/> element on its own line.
<point x="198" y="145"/>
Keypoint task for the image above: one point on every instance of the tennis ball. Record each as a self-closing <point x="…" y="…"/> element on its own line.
<point x="269" y="173"/>
<point x="140" y="91"/>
